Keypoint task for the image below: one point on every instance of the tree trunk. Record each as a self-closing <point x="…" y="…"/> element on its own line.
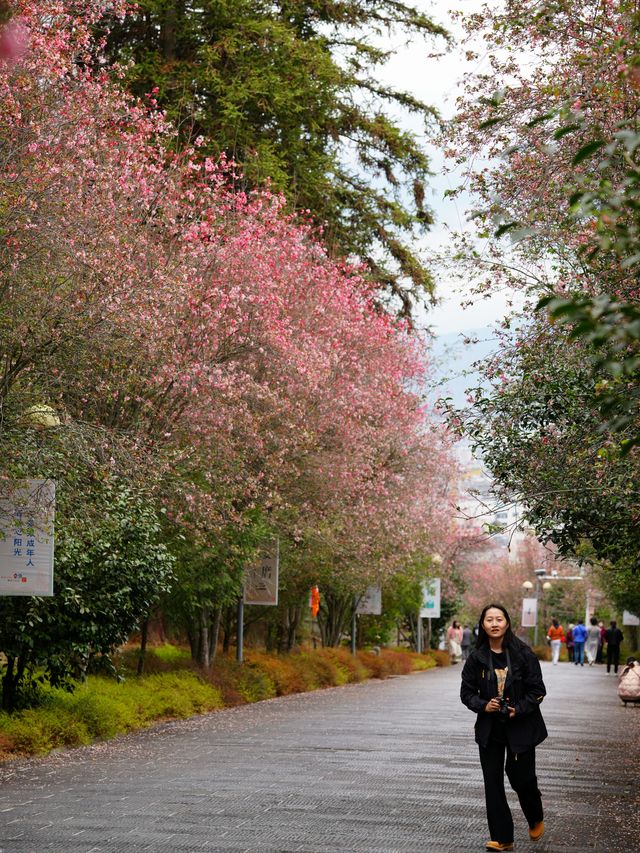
<point x="169" y="32"/>
<point x="214" y="634"/>
<point x="413" y="627"/>
<point x="272" y="637"/>
<point x="11" y="681"/>
<point x="204" y="658"/>
<point x="288" y="628"/>
<point x="228" y="621"/>
<point x="9" y="687"/>
<point x="192" y="636"/>
<point x="335" y="611"/>
<point x="144" y="634"/>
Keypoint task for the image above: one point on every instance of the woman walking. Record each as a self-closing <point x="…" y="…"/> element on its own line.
<point x="593" y="641"/>
<point x="555" y="635"/>
<point x="569" y="641"/>
<point x="454" y="637"/>
<point x="502" y="683"/>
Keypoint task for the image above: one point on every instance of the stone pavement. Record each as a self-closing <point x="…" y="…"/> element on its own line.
<point x="377" y="767"/>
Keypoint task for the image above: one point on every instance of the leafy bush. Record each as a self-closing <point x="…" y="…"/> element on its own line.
<point x="348" y="666"/>
<point x="320" y="666"/>
<point x="166" y="658"/>
<point x="422" y="662"/>
<point x="441" y="657"/>
<point x="388" y="662"/>
<point x="542" y="652"/>
<point x="282" y="670"/>
<point x="240" y="683"/>
<point x="103" y="708"/>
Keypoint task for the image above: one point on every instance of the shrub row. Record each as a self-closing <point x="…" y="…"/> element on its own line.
<point x="172" y="688"/>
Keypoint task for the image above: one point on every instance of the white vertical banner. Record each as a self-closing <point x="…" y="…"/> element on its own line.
<point x="261" y="578"/>
<point x="27" y="515"/>
<point x="430" y="608"/>
<point x="529" y="612"/>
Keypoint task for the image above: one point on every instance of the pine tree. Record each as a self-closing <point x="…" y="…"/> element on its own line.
<point x="288" y="89"/>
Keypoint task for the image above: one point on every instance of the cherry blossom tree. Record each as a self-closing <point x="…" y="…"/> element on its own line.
<point x="200" y="346"/>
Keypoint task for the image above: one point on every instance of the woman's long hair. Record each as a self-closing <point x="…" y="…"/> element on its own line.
<point x="509" y="638"/>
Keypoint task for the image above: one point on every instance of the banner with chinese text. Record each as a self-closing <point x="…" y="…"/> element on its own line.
<point x="261" y="578"/>
<point x="27" y="513"/>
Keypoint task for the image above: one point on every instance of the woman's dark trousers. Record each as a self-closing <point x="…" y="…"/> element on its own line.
<point x="521" y="771"/>
<point x="613" y="657"/>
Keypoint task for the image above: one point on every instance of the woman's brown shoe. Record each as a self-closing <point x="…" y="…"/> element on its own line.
<point x="537" y="831"/>
<point x="498" y="845"/>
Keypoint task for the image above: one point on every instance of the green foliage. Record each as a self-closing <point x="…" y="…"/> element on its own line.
<point x="210" y="578"/>
<point x="541" y="438"/>
<point x="102" y="708"/>
<point x="107" y="575"/>
<point x="171" y="654"/>
<point x="401" y="599"/>
<point x="290" y="91"/>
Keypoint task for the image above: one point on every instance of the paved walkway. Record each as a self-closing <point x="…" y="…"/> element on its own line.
<point x="376" y="767"/>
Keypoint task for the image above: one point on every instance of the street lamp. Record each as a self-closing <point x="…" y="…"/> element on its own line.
<point x="540" y="588"/>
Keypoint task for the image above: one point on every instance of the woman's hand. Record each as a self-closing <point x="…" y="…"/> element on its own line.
<point x="492" y="705"/>
<point x="512" y="712"/>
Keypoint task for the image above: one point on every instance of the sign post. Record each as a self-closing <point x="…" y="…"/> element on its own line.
<point x="260" y="587"/>
<point x="27" y="517"/>
<point x="430" y="606"/>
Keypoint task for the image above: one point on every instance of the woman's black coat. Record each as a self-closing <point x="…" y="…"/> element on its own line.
<point x="524" y="690"/>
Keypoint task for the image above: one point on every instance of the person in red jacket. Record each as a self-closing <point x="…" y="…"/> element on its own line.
<point x="555" y="635"/>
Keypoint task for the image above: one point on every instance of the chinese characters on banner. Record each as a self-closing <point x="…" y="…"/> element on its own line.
<point x="27" y="515"/>
<point x="261" y="578"/>
<point x="430" y="599"/>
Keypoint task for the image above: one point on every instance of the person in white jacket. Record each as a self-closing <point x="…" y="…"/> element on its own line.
<point x="593" y="641"/>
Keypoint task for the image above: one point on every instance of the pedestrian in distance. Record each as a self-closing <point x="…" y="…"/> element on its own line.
<point x="602" y="641"/>
<point x="465" y="645"/>
<point x="454" y="639"/>
<point x="613" y="638"/>
<point x="579" y="639"/>
<point x="569" y="641"/>
<point x="502" y="683"/>
<point x="555" y="635"/>
<point x="593" y="641"/>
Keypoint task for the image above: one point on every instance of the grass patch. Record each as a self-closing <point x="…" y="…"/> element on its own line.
<point x="102" y="708"/>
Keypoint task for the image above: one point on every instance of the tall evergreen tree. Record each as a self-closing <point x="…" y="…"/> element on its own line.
<point x="289" y="90"/>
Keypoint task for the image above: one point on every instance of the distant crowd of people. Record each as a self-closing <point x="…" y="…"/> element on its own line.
<point x="590" y="642"/>
<point x="579" y="639"/>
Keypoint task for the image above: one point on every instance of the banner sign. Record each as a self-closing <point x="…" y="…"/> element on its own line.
<point x="27" y="514"/>
<point x="630" y="618"/>
<point x="430" y="599"/>
<point x="261" y="578"/>
<point x="371" y="602"/>
<point x="314" y="601"/>
<point x="529" y="612"/>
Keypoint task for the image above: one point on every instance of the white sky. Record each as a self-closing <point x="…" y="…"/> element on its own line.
<point x="437" y="82"/>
